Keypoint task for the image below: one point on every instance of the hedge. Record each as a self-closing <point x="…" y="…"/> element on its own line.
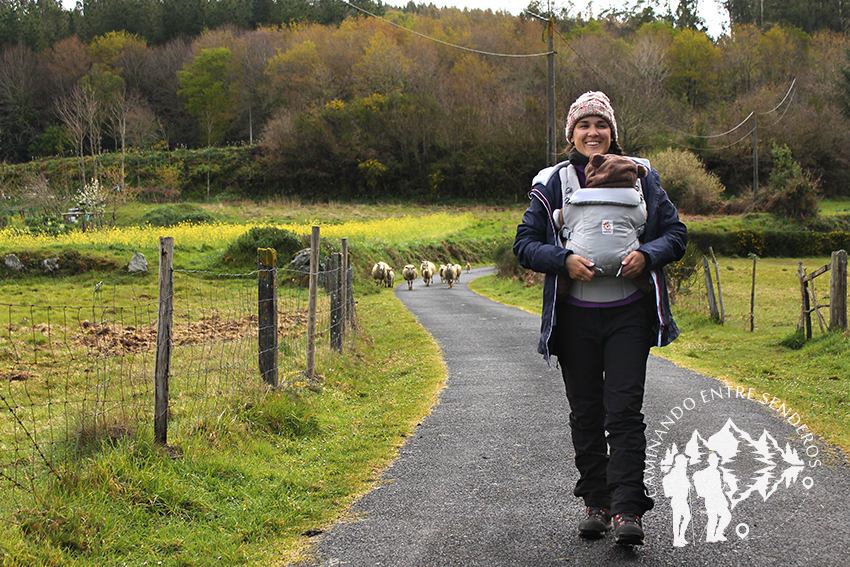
<point x="770" y="243"/>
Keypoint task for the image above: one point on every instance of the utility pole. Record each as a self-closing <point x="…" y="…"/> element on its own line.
<point x="551" y="140"/>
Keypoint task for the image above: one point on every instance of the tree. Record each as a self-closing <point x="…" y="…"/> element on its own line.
<point x="251" y="54"/>
<point x="297" y="76"/>
<point x="74" y="110"/>
<point x="181" y="18"/>
<point x="109" y="50"/>
<point x="141" y="18"/>
<point x="384" y="68"/>
<point x="782" y="54"/>
<point x="744" y="12"/>
<point x="740" y="59"/>
<point x="68" y="62"/>
<point x="103" y="88"/>
<point x="693" y="73"/>
<point x="203" y="83"/>
<point x="23" y="102"/>
<point x="160" y="91"/>
<point x="36" y="24"/>
<point x="842" y="86"/>
<point x="686" y="16"/>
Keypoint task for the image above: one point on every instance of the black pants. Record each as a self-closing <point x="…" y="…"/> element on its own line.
<point x="603" y="354"/>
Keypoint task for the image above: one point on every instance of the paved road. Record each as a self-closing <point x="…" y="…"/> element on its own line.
<point x="487" y="478"/>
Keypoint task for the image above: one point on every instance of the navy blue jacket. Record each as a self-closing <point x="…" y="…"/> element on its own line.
<point x="537" y="247"/>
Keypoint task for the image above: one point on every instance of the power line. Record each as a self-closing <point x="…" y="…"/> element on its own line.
<point x="441" y="41"/>
<point x="583" y="60"/>
<point x="794" y="82"/>
<point x="745" y="120"/>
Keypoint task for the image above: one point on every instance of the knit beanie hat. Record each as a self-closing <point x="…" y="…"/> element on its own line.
<point x="591" y="103"/>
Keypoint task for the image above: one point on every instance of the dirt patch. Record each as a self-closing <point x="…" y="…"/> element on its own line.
<point x="116" y="339"/>
<point x="16" y="376"/>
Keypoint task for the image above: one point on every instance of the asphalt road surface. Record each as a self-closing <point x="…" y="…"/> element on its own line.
<point x="487" y="477"/>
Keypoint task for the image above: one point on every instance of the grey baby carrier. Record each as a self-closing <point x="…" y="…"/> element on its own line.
<point x="604" y="225"/>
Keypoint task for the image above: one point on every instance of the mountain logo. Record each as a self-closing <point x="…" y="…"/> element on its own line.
<point x="708" y="470"/>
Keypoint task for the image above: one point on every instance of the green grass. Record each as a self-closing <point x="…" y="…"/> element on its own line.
<point x="812" y="378"/>
<point x="834" y="206"/>
<point x="248" y="484"/>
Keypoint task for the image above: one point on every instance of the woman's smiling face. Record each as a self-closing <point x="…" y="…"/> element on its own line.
<point x="592" y="135"/>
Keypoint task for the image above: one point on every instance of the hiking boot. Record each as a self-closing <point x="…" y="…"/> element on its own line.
<point x="628" y="529"/>
<point x="596" y="522"/>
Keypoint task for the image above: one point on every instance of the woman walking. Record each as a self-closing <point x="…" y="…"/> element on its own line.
<point x="601" y="228"/>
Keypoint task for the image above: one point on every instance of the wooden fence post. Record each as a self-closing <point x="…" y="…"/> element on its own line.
<point x="838" y="291"/>
<point x="267" y="314"/>
<point x="709" y="289"/>
<point x="753" y="296"/>
<point x="343" y="282"/>
<point x="335" y="276"/>
<point x="805" y="308"/>
<point x="311" y="307"/>
<point x="351" y="320"/>
<point x="719" y="290"/>
<point x="163" y="339"/>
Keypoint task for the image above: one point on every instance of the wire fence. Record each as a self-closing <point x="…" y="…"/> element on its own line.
<point x="74" y="377"/>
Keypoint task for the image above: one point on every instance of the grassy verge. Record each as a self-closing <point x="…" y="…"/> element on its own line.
<point x="250" y="484"/>
<point x="812" y="378"/>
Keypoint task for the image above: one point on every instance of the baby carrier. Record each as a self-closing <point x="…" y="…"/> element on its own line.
<point x="603" y="222"/>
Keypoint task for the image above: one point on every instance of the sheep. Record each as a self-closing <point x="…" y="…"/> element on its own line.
<point x="458" y="271"/>
<point x="442" y="272"/>
<point x="427" y="269"/>
<point x="378" y="271"/>
<point x="389" y="278"/>
<point x="449" y="275"/>
<point x="468" y="267"/>
<point x="409" y="274"/>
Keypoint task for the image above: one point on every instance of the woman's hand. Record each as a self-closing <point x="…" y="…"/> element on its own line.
<point x="633" y="265"/>
<point x="579" y="268"/>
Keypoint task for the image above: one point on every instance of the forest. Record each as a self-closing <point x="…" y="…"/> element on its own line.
<point x="342" y="100"/>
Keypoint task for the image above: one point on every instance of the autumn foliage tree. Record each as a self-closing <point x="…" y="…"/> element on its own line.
<point x="429" y="103"/>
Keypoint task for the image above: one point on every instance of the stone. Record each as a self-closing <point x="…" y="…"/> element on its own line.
<point x="13" y="263"/>
<point x="138" y="263"/>
<point x="50" y="264"/>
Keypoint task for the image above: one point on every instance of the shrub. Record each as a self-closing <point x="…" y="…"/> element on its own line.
<point x="691" y="188"/>
<point x="793" y="193"/>
<point x="774" y="243"/>
<point x="507" y="266"/>
<point x="243" y="252"/>
<point x="174" y="214"/>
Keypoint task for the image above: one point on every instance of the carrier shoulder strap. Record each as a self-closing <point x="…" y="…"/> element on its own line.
<point x="569" y="183"/>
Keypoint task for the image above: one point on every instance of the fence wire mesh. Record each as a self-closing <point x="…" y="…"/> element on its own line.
<point x="75" y="376"/>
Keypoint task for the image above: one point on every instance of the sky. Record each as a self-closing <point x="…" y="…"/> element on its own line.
<point x="711" y="11"/>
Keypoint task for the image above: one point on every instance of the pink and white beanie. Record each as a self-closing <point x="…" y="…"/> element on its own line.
<point x="591" y="103"/>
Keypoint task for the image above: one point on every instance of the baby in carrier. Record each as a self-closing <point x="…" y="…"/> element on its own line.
<point x="603" y="222"/>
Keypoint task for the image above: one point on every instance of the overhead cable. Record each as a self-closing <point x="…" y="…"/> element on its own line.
<point x="583" y="60"/>
<point x="794" y="82"/>
<point x="445" y="42"/>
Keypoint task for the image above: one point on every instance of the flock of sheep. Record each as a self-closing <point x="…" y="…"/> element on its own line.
<point x="384" y="275"/>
